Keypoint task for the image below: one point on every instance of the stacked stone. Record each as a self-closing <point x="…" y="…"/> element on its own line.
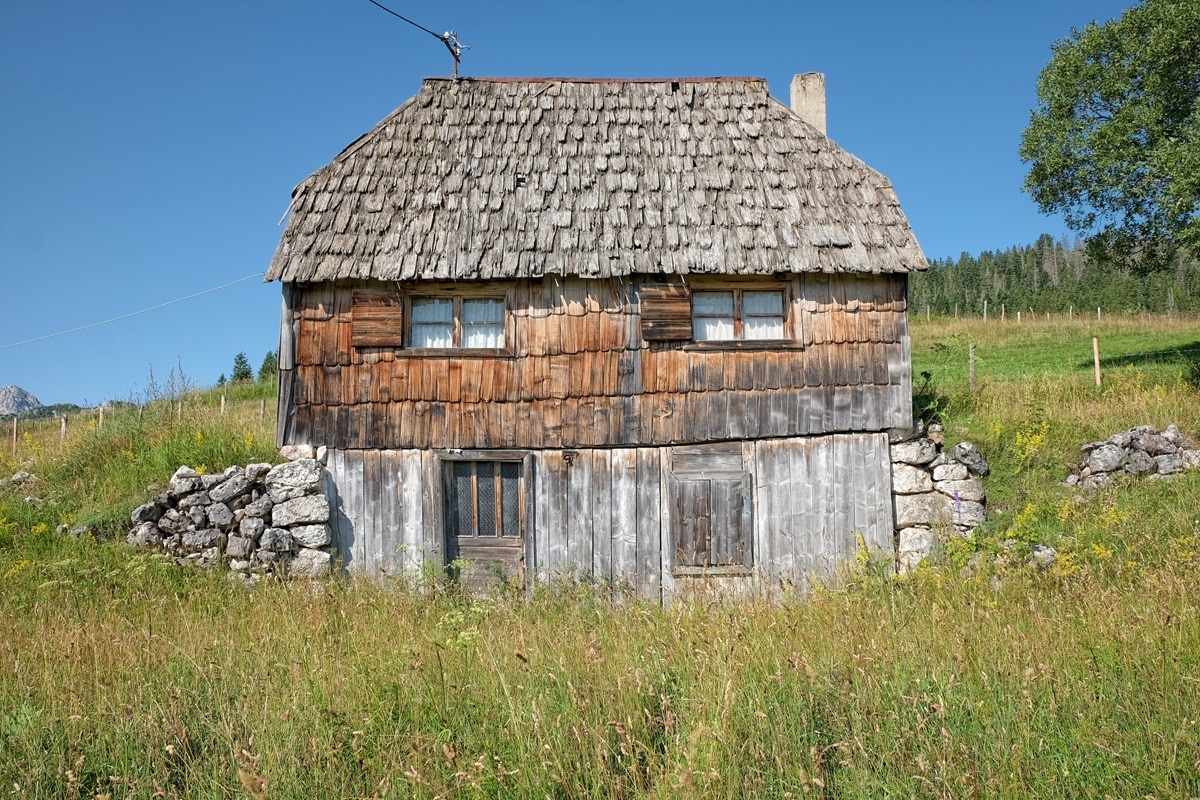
<point x="933" y="489"/>
<point x="256" y="519"/>
<point x="1144" y="450"/>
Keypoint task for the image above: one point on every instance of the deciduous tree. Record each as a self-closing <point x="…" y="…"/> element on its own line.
<point x="1114" y="143"/>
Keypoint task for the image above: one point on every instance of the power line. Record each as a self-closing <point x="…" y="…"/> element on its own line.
<point x="131" y="314"/>
<point x="449" y="38"/>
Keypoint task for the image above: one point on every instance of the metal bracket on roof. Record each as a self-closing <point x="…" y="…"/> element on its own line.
<point x="450" y="39"/>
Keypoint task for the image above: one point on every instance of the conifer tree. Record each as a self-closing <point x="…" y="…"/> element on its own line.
<point x="242" y="372"/>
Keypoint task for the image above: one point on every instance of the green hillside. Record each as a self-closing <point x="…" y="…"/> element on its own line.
<point x="978" y="676"/>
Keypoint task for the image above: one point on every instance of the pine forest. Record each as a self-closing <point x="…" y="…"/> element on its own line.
<point x="1052" y="277"/>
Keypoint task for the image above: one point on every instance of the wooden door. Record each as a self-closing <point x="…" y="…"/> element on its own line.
<point x="485" y="523"/>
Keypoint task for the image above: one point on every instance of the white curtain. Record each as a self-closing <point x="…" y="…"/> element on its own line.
<point x="483" y="323"/>
<point x="432" y="322"/>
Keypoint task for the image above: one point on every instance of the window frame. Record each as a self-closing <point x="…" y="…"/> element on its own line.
<point x="662" y="327"/>
<point x="447" y="516"/>
<point x="739" y="314"/>
<point x="710" y="469"/>
<point x="458" y="294"/>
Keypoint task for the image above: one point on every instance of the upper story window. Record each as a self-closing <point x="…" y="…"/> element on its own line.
<point x="454" y="321"/>
<point x="737" y="315"/>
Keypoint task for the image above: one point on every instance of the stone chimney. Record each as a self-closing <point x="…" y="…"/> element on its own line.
<point x="808" y="99"/>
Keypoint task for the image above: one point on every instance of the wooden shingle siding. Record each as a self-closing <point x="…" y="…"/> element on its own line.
<point x="582" y="375"/>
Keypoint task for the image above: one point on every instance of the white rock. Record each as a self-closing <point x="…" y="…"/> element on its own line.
<point x="952" y="471"/>
<point x="963" y="490"/>
<point x="301" y="511"/>
<point x="293" y="452"/>
<point x="967" y="514"/>
<point x="310" y="563"/>
<point x="922" y="510"/>
<point x="294" y="479"/>
<point x="185" y="473"/>
<point x="907" y="479"/>
<point x="1107" y="458"/>
<point x="916" y="451"/>
<point x="916" y="544"/>
<point x="312" y="536"/>
<point x="1043" y="556"/>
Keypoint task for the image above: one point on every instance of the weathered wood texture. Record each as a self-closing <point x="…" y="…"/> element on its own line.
<point x="289" y="328"/>
<point x="383" y="522"/>
<point x="579" y="373"/>
<point x="479" y="179"/>
<point x="607" y="515"/>
<point x="815" y="497"/>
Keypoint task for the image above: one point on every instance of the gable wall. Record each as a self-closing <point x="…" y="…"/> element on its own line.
<point x="581" y="376"/>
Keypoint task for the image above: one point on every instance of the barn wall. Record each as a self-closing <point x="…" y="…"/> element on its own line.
<point x="580" y="375"/>
<point x="602" y="515"/>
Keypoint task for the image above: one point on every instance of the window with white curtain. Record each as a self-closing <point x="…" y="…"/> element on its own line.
<point x="738" y="314"/>
<point x="454" y="321"/>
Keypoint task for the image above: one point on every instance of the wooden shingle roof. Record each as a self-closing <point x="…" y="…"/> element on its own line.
<point x="503" y="178"/>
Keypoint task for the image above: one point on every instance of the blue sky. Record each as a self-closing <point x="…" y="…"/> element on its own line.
<point x="150" y="148"/>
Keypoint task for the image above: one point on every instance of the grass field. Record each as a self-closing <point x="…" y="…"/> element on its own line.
<point x="122" y="676"/>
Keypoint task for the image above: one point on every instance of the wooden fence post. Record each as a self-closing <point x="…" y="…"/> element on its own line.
<point x="262" y="411"/>
<point x="985" y="310"/>
<point x="222" y="404"/>
<point x="62" y="430"/>
<point x="100" y="423"/>
<point x="1096" y="357"/>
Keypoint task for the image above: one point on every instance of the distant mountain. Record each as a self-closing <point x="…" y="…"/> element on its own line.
<point x="15" y="400"/>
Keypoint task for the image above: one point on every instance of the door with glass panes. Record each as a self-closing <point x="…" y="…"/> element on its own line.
<point x="486" y="518"/>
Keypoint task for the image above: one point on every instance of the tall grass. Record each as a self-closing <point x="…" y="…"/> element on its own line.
<point x="106" y="466"/>
<point x="123" y="676"/>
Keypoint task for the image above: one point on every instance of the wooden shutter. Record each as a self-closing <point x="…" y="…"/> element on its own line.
<point x="711" y="511"/>
<point x="666" y="312"/>
<point x="377" y="319"/>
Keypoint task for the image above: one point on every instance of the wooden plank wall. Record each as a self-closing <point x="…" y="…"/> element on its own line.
<point x="600" y="515"/>
<point x="580" y="375"/>
<point x="382" y="521"/>
<point x="813" y="496"/>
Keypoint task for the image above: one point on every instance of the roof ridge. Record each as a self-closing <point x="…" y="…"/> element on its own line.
<point x="682" y="79"/>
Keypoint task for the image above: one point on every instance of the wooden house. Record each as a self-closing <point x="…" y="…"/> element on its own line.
<point x="649" y="333"/>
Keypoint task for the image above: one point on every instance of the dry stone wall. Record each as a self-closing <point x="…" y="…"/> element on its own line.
<point x="934" y="490"/>
<point x="257" y="519"/>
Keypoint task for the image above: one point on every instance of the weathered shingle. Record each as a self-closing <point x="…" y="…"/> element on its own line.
<point x="508" y="178"/>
